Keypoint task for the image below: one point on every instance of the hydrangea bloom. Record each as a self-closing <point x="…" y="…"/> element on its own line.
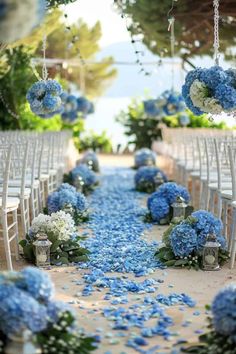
<point x="159" y="209"/>
<point x="207" y="222"/>
<point x="20" y="311"/>
<point x="224" y="312"/>
<point x="84" y="106"/>
<point x="91" y="159"/>
<point x="144" y="157"/>
<point x="60" y="224"/>
<point x="89" y="178"/>
<point x="19" y="18"/>
<point x="183" y="239"/>
<point x="174" y="102"/>
<point x="45" y="98"/>
<point x="171" y="191"/>
<point x="66" y="186"/>
<point x="57" y="308"/>
<point x="210" y="90"/>
<point x="70" y="112"/>
<point x="148" y="174"/>
<point x="36" y="283"/>
<point x="151" y="108"/>
<point x="63" y="197"/>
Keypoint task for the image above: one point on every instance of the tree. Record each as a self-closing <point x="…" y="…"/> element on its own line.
<point x="193" y="25"/>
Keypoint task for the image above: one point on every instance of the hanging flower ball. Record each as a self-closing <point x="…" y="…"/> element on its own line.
<point x="45" y="98"/>
<point x="70" y="113"/>
<point x="19" y="18"/>
<point x="210" y="90"/>
<point x="184" y="119"/>
<point x="84" y="106"/>
<point x="152" y="108"/>
<point x="144" y="157"/>
<point x="172" y="102"/>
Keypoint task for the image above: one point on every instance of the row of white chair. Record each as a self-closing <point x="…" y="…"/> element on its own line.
<point x="204" y="161"/>
<point x="31" y="167"/>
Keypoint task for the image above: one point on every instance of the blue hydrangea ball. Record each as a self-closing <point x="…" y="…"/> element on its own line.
<point x="65" y="196"/>
<point x="159" y="209"/>
<point x="149" y="174"/>
<point x="183" y="239"/>
<point x="224" y="312"/>
<point x="174" y="102"/>
<point x="70" y="112"/>
<point x="171" y="191"/>
<point x="144" y="157"/>
<point x="151" y="108"/>
<point x="88" y="176"/>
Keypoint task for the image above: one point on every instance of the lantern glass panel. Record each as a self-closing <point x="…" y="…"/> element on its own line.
<point x="210" y="256"/>
<point x="42" y="250"/>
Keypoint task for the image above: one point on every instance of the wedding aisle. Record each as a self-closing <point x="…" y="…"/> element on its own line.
<point x="123" y="295"/>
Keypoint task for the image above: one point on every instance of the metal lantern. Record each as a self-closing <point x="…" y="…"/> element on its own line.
<point x="79" y="184"/>
<point x="42" y="250"/>
<point x="159" y="180"/>
<point x="179" y="208"/>
<point x="210" y="254"/>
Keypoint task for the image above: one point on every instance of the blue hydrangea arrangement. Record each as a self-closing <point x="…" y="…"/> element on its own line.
<point x="91" y="159"/>
<point x="83" y="178"/>
<point x="184" y="240"/>
<point x="159" y="203"/>
<point x="84" y="106"/>
<point x="46" y="98"/>
<point x="148" y="178"/>
<point x="152" y="108"/>
<point x="172" y="102"/>
<point x="19" y="18"/>
<point x="210" y="90"/>
<point x="220" y="338"/>
<point x="68" y="199"/>
<point x="144" y="157"/>
<point x="70" y="112"/>
<point x="26" y="303"/>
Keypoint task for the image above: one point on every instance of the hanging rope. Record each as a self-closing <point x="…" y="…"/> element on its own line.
<point x="171" y="28"/>
<point x="216" y="31"/>
<point x="44" y="69"/>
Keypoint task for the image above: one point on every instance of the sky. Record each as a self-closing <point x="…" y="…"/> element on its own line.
<point x="113" y="26"/>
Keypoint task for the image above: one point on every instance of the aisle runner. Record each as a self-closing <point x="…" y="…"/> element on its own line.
<point x="116" y="246"/>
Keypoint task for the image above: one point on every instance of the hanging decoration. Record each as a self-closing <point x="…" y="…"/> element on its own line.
<point x="45" y="96"/>
<point x="70" y="113"/>
<point x="152" y="108"/>
<point x="211" y="90"/>
<point x="19" y="18"/>
<point x="84" y="106"/>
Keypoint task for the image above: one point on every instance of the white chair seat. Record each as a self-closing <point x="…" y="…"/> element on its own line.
<point x="226" y="194"/>
<point x="224" y="185"/>
<point x="17" y="183"/>
<point x="16" y="191"/>
<point x="12" y="203"/>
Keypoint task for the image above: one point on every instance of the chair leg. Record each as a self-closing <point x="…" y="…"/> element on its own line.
<point x="6" y="241"/>
<point x="224" y="217"/>
<point x="212" y="202"/>
<point x="219" y="206"/>
<point x="232" y="243"/>
<point x="22" y="216"/>
<point x="32" y="206"/>
<point x="16" y="235"/>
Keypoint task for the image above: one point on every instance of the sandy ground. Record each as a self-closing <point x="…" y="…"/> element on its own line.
<point x="201" y="286"/>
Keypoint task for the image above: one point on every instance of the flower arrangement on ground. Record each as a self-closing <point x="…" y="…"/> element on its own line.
<point x="46" y="98"/>
<point x="220" y="337"/>
<point x="68" y="199"/>
<point x="144" y="157"/>
<point x="148" y="178"/>
<point x="61" y="231"/>
<point x="83" y="178"/>
<point x="70" y="112"/>
<point x="26" y="303"/>
<point x="19" y="18"/>
<point x="183" y="241"/>
<point x="91" y="159"/>
<point x="159" y="203"/>
<point x="172" y="102"/>
<point x="210" y="90"/>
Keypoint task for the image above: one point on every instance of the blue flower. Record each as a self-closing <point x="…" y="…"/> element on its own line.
<point x="183" y="239"/>
<point x="159" y="209"/>
<point x="226" y="94"/>
<point x="151" y="108"/>
<point x="184" y="120"/>
<point x="66" y="196"/>
<point x="148" y="174"/>
<point x="56" y="308"/>
<point x="174" y="102"/>
<point x="224" y="312"/>
<point x="84" y="106"/>
<point x="37" y="283"/>
<point x="207" y="223"/>
<point x="19" y="311"/>
<point x="66" y="186"/>
<point x="89" y="178"/>
<point x="144" y="157"/>
<point x="171" y="191"/>
<point x="91" y="159"/>
<point x="70" y="113"/>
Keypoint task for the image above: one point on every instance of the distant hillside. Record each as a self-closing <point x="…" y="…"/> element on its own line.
<point x="130" y="82"/>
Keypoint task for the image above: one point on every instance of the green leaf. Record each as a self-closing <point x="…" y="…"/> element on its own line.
<point x="181" y="262"/>
<point x="79" y="259"/>
<point x="29" y="252"/>
<point x="55" y="246"/>
<point x="23" y="243"/>
<point x="170" y="263"/>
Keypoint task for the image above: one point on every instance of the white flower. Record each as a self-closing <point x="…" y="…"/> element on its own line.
<point x="199" y="95"/>
<point x="59" y="224"/>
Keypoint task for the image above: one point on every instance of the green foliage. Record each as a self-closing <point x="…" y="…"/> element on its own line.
<point x="94" y="141"/>
<point x="51" y="339"/>
<point x="56" y="3"/>
<point x="61" y="252"/>
<point x="193" y="25"/>
<point x="141" y="130"/>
